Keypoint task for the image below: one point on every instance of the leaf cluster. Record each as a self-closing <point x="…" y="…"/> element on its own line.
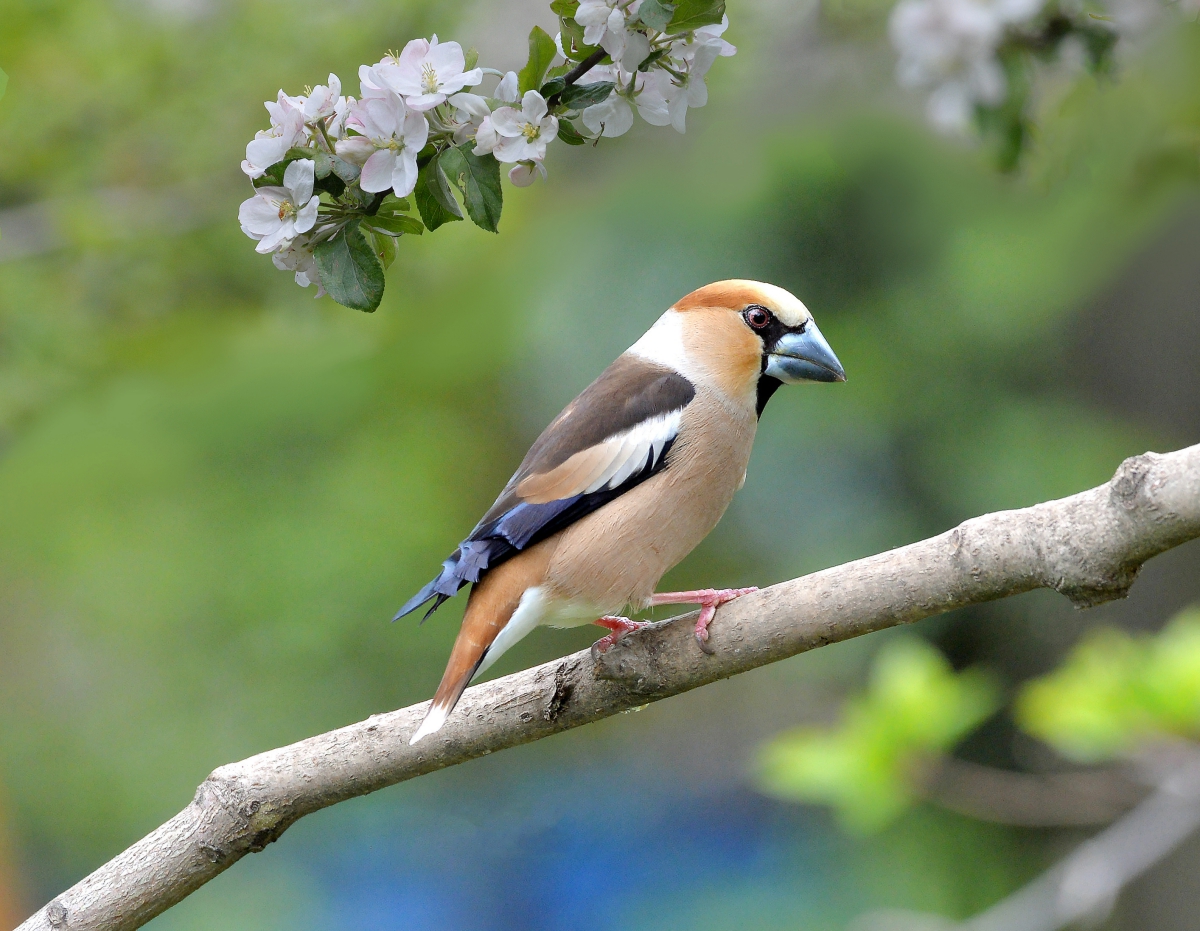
<point x="1116" y="692"/>
<point x="1009" y="124"/>
<point x="915" y="708"/>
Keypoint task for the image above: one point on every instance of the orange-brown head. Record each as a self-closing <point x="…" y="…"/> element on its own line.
<point x="744" y="338"/>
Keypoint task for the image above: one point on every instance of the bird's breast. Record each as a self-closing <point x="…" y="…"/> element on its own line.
<point x="616" y="556"/>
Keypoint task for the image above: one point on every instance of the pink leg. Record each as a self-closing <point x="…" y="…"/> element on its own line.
<point x="709" y="600"/>
<point x="619" y="626"/>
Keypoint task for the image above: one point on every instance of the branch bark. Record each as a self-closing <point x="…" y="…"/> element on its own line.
<point x="1089" y="547"/>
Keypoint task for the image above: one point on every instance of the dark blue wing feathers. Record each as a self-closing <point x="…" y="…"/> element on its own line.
<point x="518" y="528"/>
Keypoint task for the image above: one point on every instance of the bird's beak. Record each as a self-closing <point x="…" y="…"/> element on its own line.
<point x="804" y="356"/>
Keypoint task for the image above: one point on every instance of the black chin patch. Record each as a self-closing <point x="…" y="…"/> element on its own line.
<point x="767" y="386"/>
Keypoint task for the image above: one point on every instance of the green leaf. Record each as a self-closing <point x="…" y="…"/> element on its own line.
<point x="393" y="204"/>
<point x="384" y="246"/>
<point x="322" y="165"/>
<point x="552" y="87"/>
<point x="350" y="270"/>
<point x="651" y="59"/>
<point x="565" y="8"/>
<point x="3" y="82"/>
<point x="582" y="96"/>
<point x="345" y="170"/>
<point x="541" y="52"/>
<point x="656" y="14"/>
<point x="298" y="151"/>
<point x="478" y="177"/>
<point x="397" y="224"/>
<point x="569" y="134"/>
<point x="559" y="71"/>
<point x="273" y="176"/>
<point x="572" y="40"/>
<point x="330" y="184"/>
<point x="692" y="14"/>
<point x="434" y="201"/>
<point x="472" y="59"/>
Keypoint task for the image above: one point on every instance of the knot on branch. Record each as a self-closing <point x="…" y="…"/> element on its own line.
<point x="635" y="660"/>
<point x="234" y="818"/>
<point x="1129" y="479"/>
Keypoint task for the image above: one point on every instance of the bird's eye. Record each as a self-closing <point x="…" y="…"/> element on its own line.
<point x="757" y="317"/>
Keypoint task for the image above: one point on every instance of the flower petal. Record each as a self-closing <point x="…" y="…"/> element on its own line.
<point x="299" y="179"/>
<point x="306" y="217"/>
<point x="508" y="122"/>
<point x="377" y="171"/>
<point x="404" y="174"/>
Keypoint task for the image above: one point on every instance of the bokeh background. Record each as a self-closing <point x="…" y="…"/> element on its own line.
<point x="215" y="491"/>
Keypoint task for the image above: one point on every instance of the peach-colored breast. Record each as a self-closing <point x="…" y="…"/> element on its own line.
<point x="616" y="556"/>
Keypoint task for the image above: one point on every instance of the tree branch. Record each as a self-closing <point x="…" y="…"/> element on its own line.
<point x="1089" y="547"/>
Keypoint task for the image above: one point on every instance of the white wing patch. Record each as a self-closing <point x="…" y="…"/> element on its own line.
<point x="605" y="465"/>
<point x="636" y="448"/>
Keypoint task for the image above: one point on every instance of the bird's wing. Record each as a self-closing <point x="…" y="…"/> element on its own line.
<point x="612" y="437"/>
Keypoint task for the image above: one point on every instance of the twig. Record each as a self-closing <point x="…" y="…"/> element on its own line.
<point x="575" y="74"/>
<point x="1089" y="547"/>
<point x="1086" y="884"/>
<point x="1081" y="797"/>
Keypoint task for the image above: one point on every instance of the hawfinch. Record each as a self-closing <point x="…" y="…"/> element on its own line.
<point x="628" y="479"/>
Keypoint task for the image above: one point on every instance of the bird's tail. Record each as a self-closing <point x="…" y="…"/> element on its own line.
<point x="490" y="607"/>
<point x="470" y="649"/>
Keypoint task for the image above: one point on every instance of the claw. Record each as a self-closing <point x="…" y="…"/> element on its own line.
<point x="709" y="600"/>
<point x="619" y="626"/>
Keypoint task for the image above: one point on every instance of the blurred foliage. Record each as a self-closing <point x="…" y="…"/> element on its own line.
<point x="915" y="708"/>
<point x="1115" y="692"/>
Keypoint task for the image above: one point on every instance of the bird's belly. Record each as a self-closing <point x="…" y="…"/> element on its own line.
<point x="615" y="557"/>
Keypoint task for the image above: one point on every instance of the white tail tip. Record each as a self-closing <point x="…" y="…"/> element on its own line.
<point x="435" y="717"/>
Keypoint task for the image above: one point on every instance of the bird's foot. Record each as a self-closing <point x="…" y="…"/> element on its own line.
<point x="619" y="626"/>
<point x="709" y="600"/>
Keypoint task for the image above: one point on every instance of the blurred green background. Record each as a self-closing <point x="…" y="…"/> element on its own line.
<point x="215" y="491"/>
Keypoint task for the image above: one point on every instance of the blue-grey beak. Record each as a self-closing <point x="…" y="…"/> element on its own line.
<point x="806" y="356"/>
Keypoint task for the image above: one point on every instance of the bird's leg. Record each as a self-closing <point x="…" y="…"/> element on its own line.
<point x="709" y="600"/>
<point x="619" y="626"/>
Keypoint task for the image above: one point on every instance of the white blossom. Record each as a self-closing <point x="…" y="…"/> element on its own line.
<point x="606" y="23"/>
<point x="712" y="35"/>
<point x="277" y="215"/>
<point x="390" y="136"/>
<point x="950" y="45"/>
<point x="324" y="100"/>
<point x="509" y="88"/>
<point x="486" y="137"/>
<point x="269" y="146"/>
<point x="613" y="116"/>
<point x="427" y="72"/>
<point x="470" y="110"/>
<point x="298" y="257"/>
<point x="524" y="174"/>
<point x="522" y="135"/>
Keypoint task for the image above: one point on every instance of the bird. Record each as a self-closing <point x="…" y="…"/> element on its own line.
<point x="627" y="480"/>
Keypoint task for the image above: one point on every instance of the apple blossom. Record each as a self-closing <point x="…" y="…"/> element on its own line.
<point x="427" y="72"/>
<point x="324" y="100"/>
<point x="269" y="146"/>
<point x="339" y="157"/>
<point x="390" y="136"/>
<point x="470" y="110"/>
<point x="298" y="257"/>
<point x="524" y="174"/>
<point x="509" y="88"/>
<point x="276" y="215"/>
<point x="523" y="134"/>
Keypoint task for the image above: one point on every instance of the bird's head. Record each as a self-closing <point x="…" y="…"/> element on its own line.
<point x="743" y="337"/>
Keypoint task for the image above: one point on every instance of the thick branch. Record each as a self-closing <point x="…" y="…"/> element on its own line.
<point x="1089" y="547"/>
